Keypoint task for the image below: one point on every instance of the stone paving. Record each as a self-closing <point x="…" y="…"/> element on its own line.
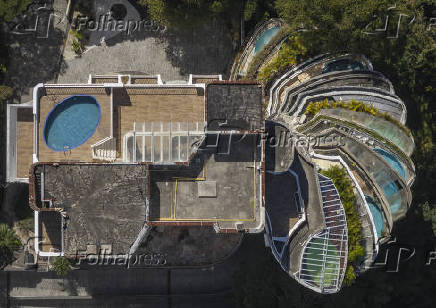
<point x="147" y="56"/>
<point x="154" y="50"/>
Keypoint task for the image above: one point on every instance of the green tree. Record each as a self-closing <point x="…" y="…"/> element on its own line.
<point x="189" y="13"/>
<point x="429" y="214"/>
<point x="287" y="56"/>
<point x="5" y="93"/>
<point x="11" y="8"/>
<point x="8" y="243"/>
<point x="61" y="266"/>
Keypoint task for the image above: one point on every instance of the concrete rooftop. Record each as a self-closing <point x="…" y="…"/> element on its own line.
<point x="221" y="184"/>
<point x="104" y="204"/>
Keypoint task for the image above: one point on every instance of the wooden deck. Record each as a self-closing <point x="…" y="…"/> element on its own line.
<point x="130" y="105"/>
<point x="24" y="141"/>
<point x="155" y="105"/>
<point x="144" y="80"/>
<point x="82" y="153"/>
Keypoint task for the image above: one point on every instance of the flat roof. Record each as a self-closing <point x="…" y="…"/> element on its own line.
<point x="233" y="106"/>
<point x="103" y="204"/>
<point x="221" y="184"/>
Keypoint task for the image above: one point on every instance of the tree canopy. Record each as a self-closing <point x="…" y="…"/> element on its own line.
<point x="8" y="243"/>
<point x="11" y="8"/>
<point x="61" y="266"/>
<point x="187" y="13"/>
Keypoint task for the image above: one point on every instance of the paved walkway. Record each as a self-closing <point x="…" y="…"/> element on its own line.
<point x="147" y="56"/>
<point x="175" y="54"/>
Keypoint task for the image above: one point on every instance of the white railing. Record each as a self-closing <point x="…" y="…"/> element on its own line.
<point x="105" y="149"/>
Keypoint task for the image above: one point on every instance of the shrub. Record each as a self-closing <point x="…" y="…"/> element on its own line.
<point x="5" y="93"/>
<point x="8" y="243"/>
<point x="288" y="56"/>
<point x="61" y="266"/>
<point x="11" y="8"/>
<point x="27" y="224"/>
<point x="429" y="215"/>
<point x="78" y="47"/>
<point x="344" y="186"/>
<point x="313" y="108"/>
<point x="78" y="35"/>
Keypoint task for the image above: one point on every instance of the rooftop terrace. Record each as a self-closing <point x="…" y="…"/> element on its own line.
<point x="121" y="109"/>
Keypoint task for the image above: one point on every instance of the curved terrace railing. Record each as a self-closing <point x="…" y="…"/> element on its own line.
<point x="324" y="260"/>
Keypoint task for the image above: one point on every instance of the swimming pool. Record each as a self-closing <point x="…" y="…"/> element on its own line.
<point x="265" y="38"/>
<point x="343" y="65"/>
<point x="377" y="215"/>
<point x="71" y="122"/>
<point x="393" y="161"/>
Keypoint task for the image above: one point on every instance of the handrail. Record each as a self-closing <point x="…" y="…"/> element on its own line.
<point x="100" y="142"/>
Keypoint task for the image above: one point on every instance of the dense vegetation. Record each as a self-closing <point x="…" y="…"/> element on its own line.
<point x="5" y="93"/>
<point x="288" y="55"/>
<point x="345" y="189"/>
<point x="8" y="243"/>
<point x="189" y="13"/>
<point x="61" y="266"/>
<point x="314" y="107"/>
<point x="11" y="8"/>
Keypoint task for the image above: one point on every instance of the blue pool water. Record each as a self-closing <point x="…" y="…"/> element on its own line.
<point x="265" y="38"/>
<point x="343" y="65"/>
<point x="393" y="161"/>
<point x="377" y="215"/>
<point x="71" y="122"/>
<point x="394" y="198"/>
